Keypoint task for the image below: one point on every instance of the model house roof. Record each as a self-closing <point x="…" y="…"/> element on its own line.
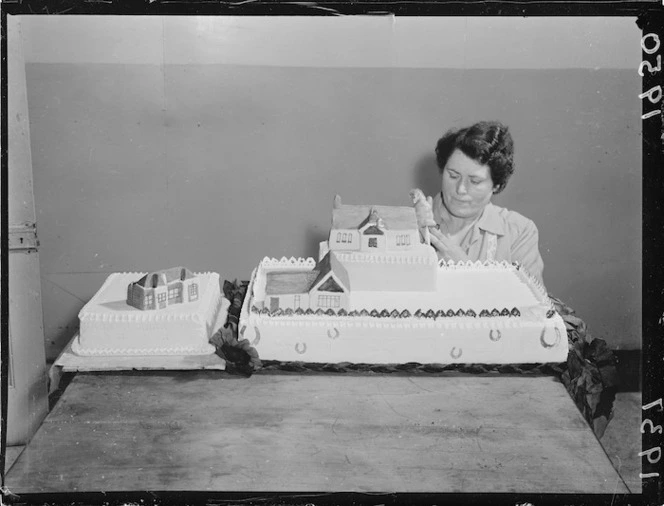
<point x="165" y="276"/>
<point x="324" y="266"/>
<point x="347" y="217"/>
<point x="282" y="283"/>
<point x="328" y="264"/>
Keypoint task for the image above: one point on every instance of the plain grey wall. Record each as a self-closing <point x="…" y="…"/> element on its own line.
<point x="140" y="166"/>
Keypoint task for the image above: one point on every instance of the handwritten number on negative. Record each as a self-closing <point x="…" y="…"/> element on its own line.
<point x="654" y="94"/>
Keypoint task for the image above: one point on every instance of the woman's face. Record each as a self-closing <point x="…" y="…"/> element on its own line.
<point x="467" y="185"/>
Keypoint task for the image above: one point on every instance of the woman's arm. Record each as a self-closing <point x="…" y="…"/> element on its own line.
<point x="525" y="249"/>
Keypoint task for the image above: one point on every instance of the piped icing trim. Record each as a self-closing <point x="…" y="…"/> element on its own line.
<point x="138" y="318"/>
<point x="385" y="258"/>
<point x="207" y="349"/>
<point x="465" y="265"/>
<point x="220" y="305"/>
<point x="536" y="288"/>
<point x="292" y="262"/>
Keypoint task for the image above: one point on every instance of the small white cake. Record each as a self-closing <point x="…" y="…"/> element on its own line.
<point x="110" y="326"/>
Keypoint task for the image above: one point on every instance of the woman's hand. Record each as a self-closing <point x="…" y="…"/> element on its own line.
<point x="445" y="247"/>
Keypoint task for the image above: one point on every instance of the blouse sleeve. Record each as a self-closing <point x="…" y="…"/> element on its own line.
<point x="525" y="249"/>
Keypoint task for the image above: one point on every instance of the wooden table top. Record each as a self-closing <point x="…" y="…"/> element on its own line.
<point x="210" y="431"/>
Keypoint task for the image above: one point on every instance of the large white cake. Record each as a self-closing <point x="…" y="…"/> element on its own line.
<point x="378" y="295"/>
<point x="110" y="326"/>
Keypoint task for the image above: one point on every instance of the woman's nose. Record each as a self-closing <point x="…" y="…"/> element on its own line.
<point x="461" y="187"/>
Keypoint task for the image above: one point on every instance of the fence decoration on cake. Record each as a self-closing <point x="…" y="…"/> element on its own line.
<point x="288" y="263"/>
<point x="384" y="258"/>
<point x="477" y="264"/>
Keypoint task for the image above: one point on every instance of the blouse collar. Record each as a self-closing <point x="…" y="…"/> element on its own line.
<point x="490" y="220"/>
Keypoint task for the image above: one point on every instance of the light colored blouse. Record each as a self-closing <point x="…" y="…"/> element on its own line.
<point x="500" y="234"/>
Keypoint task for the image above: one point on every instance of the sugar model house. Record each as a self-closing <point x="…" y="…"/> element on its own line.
<point x="159" y="289"/>
<point x="370" y="248"/>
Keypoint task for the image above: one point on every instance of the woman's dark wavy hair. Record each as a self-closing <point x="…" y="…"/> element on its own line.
<point x="487" y="142"/>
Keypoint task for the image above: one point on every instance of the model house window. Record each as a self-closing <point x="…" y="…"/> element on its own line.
<point x="173" y="293"/>
<point x="403" y="240"/>
<point x="193" y="292"/>
<point x="149" y="300"/>
<point x="296" y="301"/>
<point x="161" y="297"/>
<point x="329" y="300"/>
<point x="373" y="242"/>
<point x="344" y="237"/>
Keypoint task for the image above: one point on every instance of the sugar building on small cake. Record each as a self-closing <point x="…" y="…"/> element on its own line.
<point x="363" y="240"/>
<point x="160" y="289"/>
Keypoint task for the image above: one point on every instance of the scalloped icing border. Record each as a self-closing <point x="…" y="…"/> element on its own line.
<point x="184" y="350"/>
<point x="537" y="289"/>
<point x="294" y="262"/>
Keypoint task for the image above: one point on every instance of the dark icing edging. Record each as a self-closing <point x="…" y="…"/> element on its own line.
<point x="385" y="313"/>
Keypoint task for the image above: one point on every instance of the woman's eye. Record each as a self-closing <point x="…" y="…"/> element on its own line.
<point x="453" y="176"/>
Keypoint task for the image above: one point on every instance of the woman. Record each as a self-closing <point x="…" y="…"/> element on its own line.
<point x="475" y="163"/>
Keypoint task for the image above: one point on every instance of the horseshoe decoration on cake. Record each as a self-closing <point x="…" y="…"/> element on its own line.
<point x="301" y="348"/>
<point x="495" y="335"/>
<point x="546" y="342"/>
<point x="333" y="333"/>
<point x="456" y="354"/>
